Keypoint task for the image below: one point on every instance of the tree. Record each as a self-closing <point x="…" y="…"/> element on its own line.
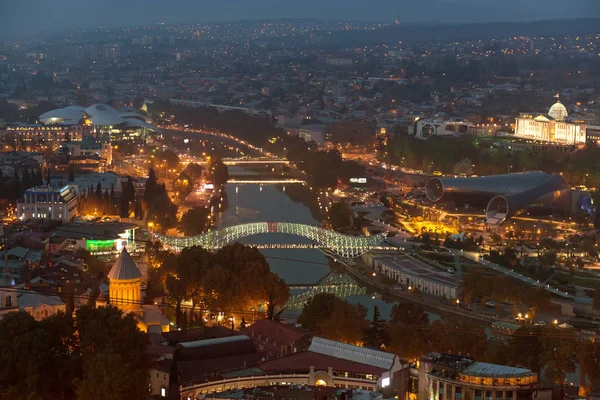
<point x="106" y="376"/>
<point x="195" y="221"/>
<point x="350" y="132"/>
<point x="127" y="198"/>
<point x="55" y="357"/>
<point x="107" y="338"/>
<point x="276" y="293"/>
<point x="558" y="354"/>
<point x="194" y="171"/>
<point x="162" y="212"/>
<point x="150" y="188"/>
<point x="218" y="170"/>
<point x="409" y="314"/>
<point x="340" y="215"/>
<point x="346" y="324"/>
<point x="317" y="308"/>
<point x="183" y="186"/>
<point x="376" y="335"/>
<point x="176" y="289"/>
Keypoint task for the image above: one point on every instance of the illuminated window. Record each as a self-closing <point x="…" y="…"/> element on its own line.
<point x="163" y="391"/>
<point x="321" y="382"/>
<point x="385" y="382"/>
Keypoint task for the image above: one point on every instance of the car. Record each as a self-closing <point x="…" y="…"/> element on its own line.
<point x="490" y="304"/>
<point x="539" y="323"/>
<point x="397" y="287"/>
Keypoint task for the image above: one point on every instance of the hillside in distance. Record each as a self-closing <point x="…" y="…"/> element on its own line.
<point x="445" y="32"/>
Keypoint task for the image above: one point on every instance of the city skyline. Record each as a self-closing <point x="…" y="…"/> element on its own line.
<point x="35" y="17"/>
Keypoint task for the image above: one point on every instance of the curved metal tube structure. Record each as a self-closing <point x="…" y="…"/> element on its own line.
<point x="345" y="246"/>
<point x="502" y="207"/>
<point x="493" y="185"/>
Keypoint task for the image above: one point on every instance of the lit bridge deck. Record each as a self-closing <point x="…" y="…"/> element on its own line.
<point x="343" y="246"/>
<point x="266" y="181"/>
<point x="339" y="285"/>
<point x="249" y="162"/>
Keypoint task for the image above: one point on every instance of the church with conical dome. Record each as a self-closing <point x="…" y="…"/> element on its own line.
<point x="553" y="127"/>
<point x="125" y="292"/>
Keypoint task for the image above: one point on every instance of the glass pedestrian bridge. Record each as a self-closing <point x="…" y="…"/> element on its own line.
<point x="344" y="246"/>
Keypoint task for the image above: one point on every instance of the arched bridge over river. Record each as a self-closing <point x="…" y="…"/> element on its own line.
<point x="344" y="246"/>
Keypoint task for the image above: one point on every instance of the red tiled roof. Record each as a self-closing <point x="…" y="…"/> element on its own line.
<point x="301" y="362"/>
<point x="215" y="351"/>
<point x="206" y="370"/>
<point x="272" y="334"/>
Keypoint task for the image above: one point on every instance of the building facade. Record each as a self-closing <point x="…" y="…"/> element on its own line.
<point x="90" y="146"/>
<point x="413" y="274"/>
<point x="44" y="202"/>
<point x="35" y="136"/>
<point x="453" y="377"/>
<point x="554" y="127"/>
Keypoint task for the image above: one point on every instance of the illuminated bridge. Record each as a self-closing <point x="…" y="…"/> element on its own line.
<point x="339" y="285"/>
<point x="244" y="162"/>
<point x="344" y="246"/>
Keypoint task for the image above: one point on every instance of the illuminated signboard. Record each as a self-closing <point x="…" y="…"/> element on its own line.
<point x="100" y="245"/>
<point x="358" y="180"/>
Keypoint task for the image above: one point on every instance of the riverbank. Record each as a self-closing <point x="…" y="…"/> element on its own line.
<point x="427" y="301"/>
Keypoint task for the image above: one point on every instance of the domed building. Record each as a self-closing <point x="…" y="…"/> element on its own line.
<point x="125" y="292"/>
<point x="553" y="127"/>
<point x="125" y="289"/>
<point x="558" y="111"/>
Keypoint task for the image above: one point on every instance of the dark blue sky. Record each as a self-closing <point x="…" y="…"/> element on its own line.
<point x="34" y="16"/>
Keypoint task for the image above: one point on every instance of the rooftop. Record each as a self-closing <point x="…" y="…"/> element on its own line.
<point x="210" y="342"/>
<point x="362" y="355"/>
<point x="496" y="371"/>
<point x="124" y="268"/>
<point x="300" y="362"/>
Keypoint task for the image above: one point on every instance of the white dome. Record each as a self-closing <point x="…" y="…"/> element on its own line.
<point x="99" y="114"/>
<point x="558" y="111"/>
<point x="70" y="115"/>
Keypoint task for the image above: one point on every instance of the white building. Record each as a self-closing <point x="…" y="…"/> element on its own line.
<point x="552" y="127"/>
<point x="427" y="127"/>
<point x="413" y="274"/>
<point x="89" y="147"/>
<point x="48" y="203"/>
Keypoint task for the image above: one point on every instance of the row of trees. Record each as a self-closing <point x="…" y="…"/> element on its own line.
<point x="235" y="280"/>
<point x="12" y="188"/>
<point x="478" y="286"/>
<point x="323" y="168"/>
<point x="472" y="154"/>
<point x="98" y="354"/>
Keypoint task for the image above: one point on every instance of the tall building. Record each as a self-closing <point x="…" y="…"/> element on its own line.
<point x="45" y="202"/>
<point x="555" y="126"/>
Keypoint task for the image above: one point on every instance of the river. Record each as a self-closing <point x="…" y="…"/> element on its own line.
<point x="253" y="203"/>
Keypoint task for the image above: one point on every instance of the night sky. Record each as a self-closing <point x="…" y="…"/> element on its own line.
<point x="35" y="16"/>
